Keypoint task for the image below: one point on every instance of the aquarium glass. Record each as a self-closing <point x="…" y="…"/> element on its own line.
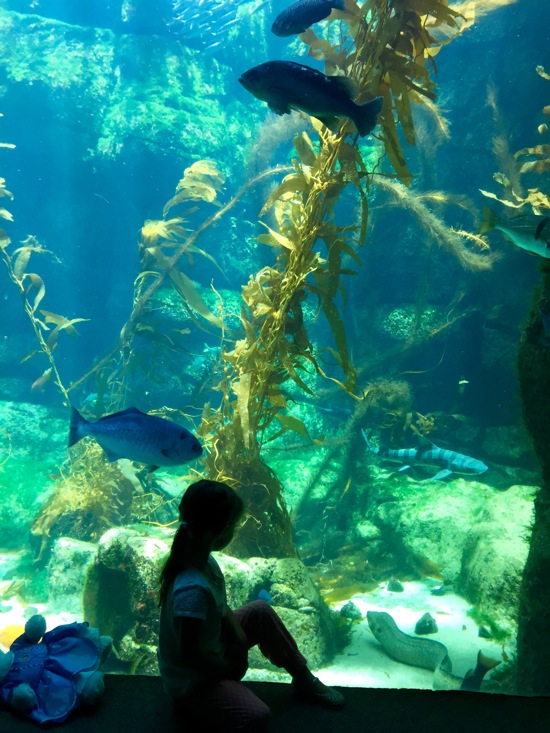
<point x="329" y="276"/>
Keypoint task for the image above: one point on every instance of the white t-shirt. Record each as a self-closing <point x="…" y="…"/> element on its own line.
<point x="193" y="595"/>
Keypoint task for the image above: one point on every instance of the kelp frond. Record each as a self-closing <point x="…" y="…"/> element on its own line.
<point x="439" y="232"/>
<point x="527" y="161"/>
<point x="33" y="290"/>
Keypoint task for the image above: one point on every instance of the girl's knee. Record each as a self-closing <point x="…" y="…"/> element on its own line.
<point x="259" y="720"/>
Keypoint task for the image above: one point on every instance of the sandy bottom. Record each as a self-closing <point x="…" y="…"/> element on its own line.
<point x="363" y="663"/>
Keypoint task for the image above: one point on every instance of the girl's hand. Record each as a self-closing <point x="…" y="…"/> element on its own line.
<point x="236" y="654"/>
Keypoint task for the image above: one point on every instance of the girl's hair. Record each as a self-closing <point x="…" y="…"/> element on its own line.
<point x="205" y="506"/>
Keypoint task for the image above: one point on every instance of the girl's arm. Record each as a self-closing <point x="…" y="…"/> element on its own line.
<point x="233" y="628"/>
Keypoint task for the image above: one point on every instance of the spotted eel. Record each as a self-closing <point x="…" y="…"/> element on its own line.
<point x="425" y="653"/>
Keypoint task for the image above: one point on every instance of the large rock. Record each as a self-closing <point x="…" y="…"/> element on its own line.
<point x="70" y="560"/>
<point x="495" y="552"/>
<point x="432" y="521"/>
<point x="121" y="596"/>
<point x="478" y="538"/>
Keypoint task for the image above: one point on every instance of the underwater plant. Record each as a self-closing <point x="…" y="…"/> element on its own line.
<point x="386" y="49"/>
<point x="514" y="166"/>
<point x="32" y="290"/>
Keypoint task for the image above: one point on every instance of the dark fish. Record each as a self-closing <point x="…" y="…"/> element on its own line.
<point x="528" y="231"/>
<point x="139" y="437"/>
<point x="285" y="86"/>
<point x="474" y="677"/>
<point x="432" y="456"/>
<point x="299" y="16"/>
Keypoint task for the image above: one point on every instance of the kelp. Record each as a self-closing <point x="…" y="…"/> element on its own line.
<point x="476" y="257"/>
<point x="387" y="49"/>
<point x="512" y="167"/>
<point x="33" y="290"/>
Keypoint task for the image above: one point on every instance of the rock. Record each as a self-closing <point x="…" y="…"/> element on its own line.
<point x="351" y="611"/>
<point x="433" y="520"/>
<point x="395" y="586"/>
<point x="426" y="625"/>
<point x="508" y="444"/>
<point x="70" y="561"/>
<point x="121" y="595"/>
<point x="495" y="553"/>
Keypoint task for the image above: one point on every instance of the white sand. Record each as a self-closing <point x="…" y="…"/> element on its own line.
<point x="365" y="664"/>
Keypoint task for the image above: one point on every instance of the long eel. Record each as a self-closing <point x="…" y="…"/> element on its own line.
<point x="425" y="653"/>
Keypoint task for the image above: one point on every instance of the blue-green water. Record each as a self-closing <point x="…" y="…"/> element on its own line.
<point x="408" y="330"/>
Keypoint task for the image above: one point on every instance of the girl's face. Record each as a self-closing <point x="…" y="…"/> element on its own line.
<point x="226" y="535"/>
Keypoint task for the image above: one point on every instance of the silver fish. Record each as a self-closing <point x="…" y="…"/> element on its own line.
<point x="528" y="231"/>
<point x="139" y="437"/>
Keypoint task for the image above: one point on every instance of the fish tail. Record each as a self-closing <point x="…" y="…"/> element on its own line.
<point x="76" y="426"/>
<point x="487" y="663"/>
<point x="366" y="116"/>
<point x="488" y="222"/>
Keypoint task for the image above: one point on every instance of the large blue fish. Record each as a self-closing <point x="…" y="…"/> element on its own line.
<point x="286" y="85"/>
<point x="139" y="437"/>
<point x="302" y="14"/>
<point x="430" y="456"/>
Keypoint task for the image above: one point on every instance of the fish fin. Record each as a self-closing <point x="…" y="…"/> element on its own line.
<point x="486" y="662"/>
<point x="332" y="122"/>
<point x="426" y="443"/>
<point x="76" y="427"/>
<point x="279" y="105"/>
<point x="128" y="411"/>
<point x="366" y="115"/>
<point x="111" y="455"/>
<point x="440" y="475"/>
<point x="540" y="228"/>
<point x="488" y="222"/>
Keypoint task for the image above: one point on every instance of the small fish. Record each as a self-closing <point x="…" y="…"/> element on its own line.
<point x="139" y="437"/>
<point x="299" y="16"/>
<point x="286" y="85"/>
<point x="528" y="231"/>
<point x="265" y="595"/>
<point x="432" y="456"/>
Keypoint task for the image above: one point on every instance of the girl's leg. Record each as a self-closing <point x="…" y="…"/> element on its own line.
<point x="263" y="627"/>
<point x="225" y="706"/>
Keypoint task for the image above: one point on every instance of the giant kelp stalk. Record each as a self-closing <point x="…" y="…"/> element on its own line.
<point x="388" y="50"/>
<point x="533" y="661"/>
